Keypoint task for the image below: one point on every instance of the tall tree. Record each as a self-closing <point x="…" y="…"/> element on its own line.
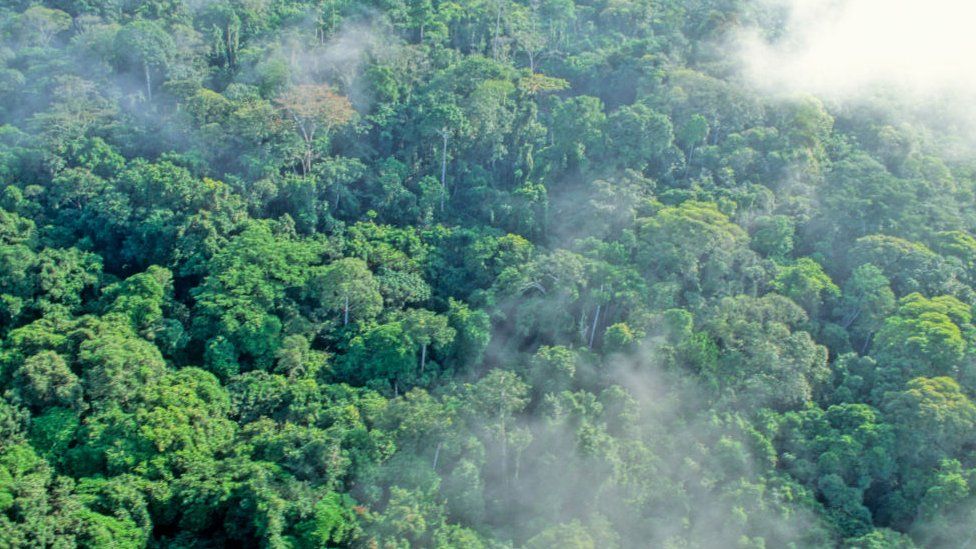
<point x="316" y="111"/>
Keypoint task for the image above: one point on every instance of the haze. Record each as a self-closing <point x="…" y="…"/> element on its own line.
<point x="841" y="49"/>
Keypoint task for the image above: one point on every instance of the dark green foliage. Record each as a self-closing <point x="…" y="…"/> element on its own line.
<point x="479" y="274"/>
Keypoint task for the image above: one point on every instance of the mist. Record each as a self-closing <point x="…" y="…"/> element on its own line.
<point x="842" y="49"/>
<point x="487" y="274"/>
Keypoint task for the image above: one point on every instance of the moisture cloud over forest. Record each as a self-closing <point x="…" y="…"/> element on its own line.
<point x="487" y="274"/>
<point x="913" y="55"/>
<point x="843" y="48"/>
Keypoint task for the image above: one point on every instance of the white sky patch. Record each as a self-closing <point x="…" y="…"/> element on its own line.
<point x="842" y="49"/>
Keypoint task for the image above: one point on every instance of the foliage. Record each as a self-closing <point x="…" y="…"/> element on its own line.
<point x="481" y="274"/>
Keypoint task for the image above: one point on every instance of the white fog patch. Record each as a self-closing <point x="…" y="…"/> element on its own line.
<point x="844" y="49"/>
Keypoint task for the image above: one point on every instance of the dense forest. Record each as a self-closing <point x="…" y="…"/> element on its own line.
<point x="470" y="274"/>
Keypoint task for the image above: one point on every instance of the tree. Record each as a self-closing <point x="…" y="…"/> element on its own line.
<point x="552" y="369"/>
<point x="933" y="420"/>
<point x="842" y="452"/>
<point x="754" y="371"/>
<point x="925" y="337"/>
<point x="772" y="236"/>
<point x="910" y="266"/>
<point x="316" y="112"/>
<point x="691" y="135"/>
<point x="473" y="328"/>
<point x="39" y="508"/>
<point x="442" y="119"/>
<point x="934" y="415"/>
<point x="383" y="355"/>
<point x="254" y="279"/>
<point x="45" y="380"/>
<point x="638" y="135"/>
<point x="40" y="25"/>
<point x="423" y="14"/>
<point x="526" y="29"/>
<point x="577" y="130"/>
<point x="346" y="288"/>
<point x="144" y="45"/>
<point x="117" y="365"/>
<point x="333" y="522"/>
<point x="425" y="328"/>
<point x="541" y="295"/>
<point x="52" y="280"/>
<point x="78" y="107"/>
<point x="865" y="302"/>
<point x="806" y="283"/>
<point x="494" y="400"/>
<point x="693" y="244"/>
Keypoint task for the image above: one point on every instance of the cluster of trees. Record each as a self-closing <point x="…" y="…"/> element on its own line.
<point x="494" y="273"/>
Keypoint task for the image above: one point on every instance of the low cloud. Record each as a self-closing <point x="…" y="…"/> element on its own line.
<point x="844" y="49"/>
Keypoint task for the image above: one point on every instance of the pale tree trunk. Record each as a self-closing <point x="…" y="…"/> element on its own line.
<point x="145" y="68"/>
<point x="596" y="320"/>
<point x="232" y="43"/>
<point x="581" y="328"/>
<point x="307" y="160"/>
<point x="307" y="129"/>
<point x="445" y="134"/>
<point x="345" y="311"/>
<point x="498" y="26"/>
<point x="504" y="432"/>
<point x="867" y="343"/>
<point x="423" y="358"/>
<point x="444" y="169"/>
<point x="437" y="454"/>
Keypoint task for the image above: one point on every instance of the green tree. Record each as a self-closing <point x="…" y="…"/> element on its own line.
<point x="345" y="289"/>
<point x="806" y="283"/>
<point x="925" y="337"/>
<point x="638" y="135"/>
<point x="252" y="281"/>
<point x="425" y="329"/>
<point x="765" y="359"/>
<point x="144" y="46"/>
<point x="933" y="418"/>
<point x="865" y="302"/>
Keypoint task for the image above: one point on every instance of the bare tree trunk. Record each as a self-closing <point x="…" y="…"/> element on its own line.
<point x="444" y="169"/>
<point x="423" y="358"/>
<point x="501" y="419"/>
<point x="596" y="320"/>
<point x="498" y="25"/>
<point x="145" y="68"/>
<point x="345" y="311"/>
<point x="231" y="43"/>
<point x="581" y="327"/>
<point x="867" y="343"/>
<point x="504" y="453"/>
<point x="307" y="160"/>
<point x="437" y="454"/>
<point x="850" y="318"/>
